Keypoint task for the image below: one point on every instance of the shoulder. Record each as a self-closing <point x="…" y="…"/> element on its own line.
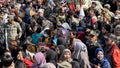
<point x="106" y="63"/>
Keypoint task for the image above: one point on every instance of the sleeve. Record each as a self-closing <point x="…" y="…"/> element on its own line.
<point x="106" y="64"/>
<point x="116" y="58"/>
<point x="19" y="30"/>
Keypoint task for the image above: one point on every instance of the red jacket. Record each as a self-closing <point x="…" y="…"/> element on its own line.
<point x="28" y="63"/>
<point x="115" y="53"/>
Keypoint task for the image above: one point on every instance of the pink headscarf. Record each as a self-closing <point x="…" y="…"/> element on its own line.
<point x="40" y="59"/>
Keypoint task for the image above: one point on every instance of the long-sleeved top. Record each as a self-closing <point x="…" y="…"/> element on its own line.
<point x="115" y="54"/>
<point x="14" y="31"/>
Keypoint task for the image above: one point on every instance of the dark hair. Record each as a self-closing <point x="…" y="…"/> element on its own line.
<point x="20" y="64"/>
<point x="74" y="32"/>
<point x="111" y="36"/>
<point x="75" y="64"/>
<point x="7" y="60"/>
<point x="94" y="3"/>
<point x="107" y="27"/>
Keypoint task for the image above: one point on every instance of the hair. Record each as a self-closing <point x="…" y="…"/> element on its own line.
<point x="74" y="32"/>
<point x="20" y="64"/>
<point x="94" y="3"/>
<point x="111" y="36"/>
<point x="7" y="60"/>
<point x="107" y="27"/>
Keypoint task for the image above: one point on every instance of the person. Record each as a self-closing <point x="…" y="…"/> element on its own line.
<point x="80" y="52"/>
<point x="13" y="29"/>
<point x="105" y="30"/>
<point x="48" y="65"/>
<point x="93" y="6"/>
<point x="14" y="49"/>
<point x="7" y="61"/>
<point x="66" y="56"/>
<point x="59" y="50"/>
<point x="99" y="60"/>
<point x="93" y="44"/>
<point x="112" y="52"/>
<point x="39" y="60"/>
<point x="49" y="54"/>
<point x="20" y="64"/>
<point x="117" y="33"/>
<point x="64" y="64"/>
<point x="1" y="30"/>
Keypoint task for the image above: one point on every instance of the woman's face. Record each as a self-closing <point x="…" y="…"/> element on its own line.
<point x="100" y="55"/>
<point x="67" y="55"/>
<point x="117" y="31"/>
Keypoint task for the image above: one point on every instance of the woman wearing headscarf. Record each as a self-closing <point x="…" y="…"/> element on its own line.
<point x="48" y="65"/>
<point x="66" y="56"/>
<point x="100" y="61"/>
<point x="39" y="60"/>
<point x="80" y="52"/>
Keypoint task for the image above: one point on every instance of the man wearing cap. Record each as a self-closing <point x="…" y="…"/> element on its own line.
<point x="14" y="30"/>
<point x="93" y="44"/>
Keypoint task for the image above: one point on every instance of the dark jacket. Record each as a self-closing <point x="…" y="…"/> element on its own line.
<point x="91" y="49"/>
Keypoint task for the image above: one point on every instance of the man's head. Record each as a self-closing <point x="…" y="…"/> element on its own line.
<point x="93" y="36"/>
<point x="41" y="12"/>
<point x="93" y="4"/>
<point x="10" y="19"/>
<point x="109" y="39"/>
<point x="73" y="34"/>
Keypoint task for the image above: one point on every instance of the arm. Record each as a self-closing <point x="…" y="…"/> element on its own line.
<point x="116" y="58"/>
<point x="19" y="30"/>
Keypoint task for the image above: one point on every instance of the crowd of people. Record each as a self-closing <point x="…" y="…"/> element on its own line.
<point x="59" y="33"/>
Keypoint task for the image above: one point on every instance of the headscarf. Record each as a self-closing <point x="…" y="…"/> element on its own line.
<point x="40" y="59"/>
<point x="65" y="64"/>
<point x="78" y="47"/>
<point x="104" y="63"/>
<point x="97" y="50"/>
<point x="62" y="56"/>
<point x="48" y="65"/>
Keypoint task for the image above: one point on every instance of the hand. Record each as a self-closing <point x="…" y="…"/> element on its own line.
<point x="97" y="66"/>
